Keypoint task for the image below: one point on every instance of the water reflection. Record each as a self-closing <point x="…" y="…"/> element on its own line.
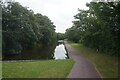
<point x="60" y="52"/>
<point x="33" y="54"/>
<point x="55" y="51"/>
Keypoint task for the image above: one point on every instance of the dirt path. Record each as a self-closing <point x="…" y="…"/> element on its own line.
<point x="82" y="68"/>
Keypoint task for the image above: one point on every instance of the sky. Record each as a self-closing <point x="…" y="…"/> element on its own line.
<point x="60" y="12"/>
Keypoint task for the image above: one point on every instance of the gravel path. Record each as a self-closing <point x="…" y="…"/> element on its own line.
<point x="82" y="68"/>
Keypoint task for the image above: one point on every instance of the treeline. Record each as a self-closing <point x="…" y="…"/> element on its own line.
<point x="98" y="27"/>
<point x="22" y="29"/>
<point x="61" y="36"/>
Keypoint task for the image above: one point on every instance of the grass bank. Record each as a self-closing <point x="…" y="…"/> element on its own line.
<point x="37" y="69"/>
<point x="0" y="69"/>
<point x="106" y="65"/>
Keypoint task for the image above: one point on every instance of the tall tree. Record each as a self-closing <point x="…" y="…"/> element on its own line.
<point x="22" y="29"/>
<point x="98" y="27"/>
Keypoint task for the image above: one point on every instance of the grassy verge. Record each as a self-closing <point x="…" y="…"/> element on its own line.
<point x="0" y="70"/>
<point x="37" y="69"/>
<point x="106" y="65"/>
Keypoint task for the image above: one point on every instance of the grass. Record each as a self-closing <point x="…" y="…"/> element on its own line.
<point x="106" y="65"/>
<point x="37" y="69"/>
<point x="0" y="70"/>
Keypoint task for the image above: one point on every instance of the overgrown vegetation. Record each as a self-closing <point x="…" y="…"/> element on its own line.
<point x="22" y="29"/>
<point x="98" y="27"/>
<point x="105" y="64"/>
<point x="37" y="69"/>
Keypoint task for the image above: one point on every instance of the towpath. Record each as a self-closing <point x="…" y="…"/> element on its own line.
<point x="82" y="68"/>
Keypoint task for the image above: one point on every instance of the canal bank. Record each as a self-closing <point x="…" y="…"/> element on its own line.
<point x="82" y="68"/>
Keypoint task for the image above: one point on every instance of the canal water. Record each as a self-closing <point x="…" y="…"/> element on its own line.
<point x="60" y="52"/>
<point x="55" y="52"/>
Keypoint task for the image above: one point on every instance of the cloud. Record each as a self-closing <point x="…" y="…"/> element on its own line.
<point x="61" y="12"/>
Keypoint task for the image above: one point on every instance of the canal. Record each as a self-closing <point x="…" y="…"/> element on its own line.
<point x="60" y="51"/>
<point x="55" y="52"/>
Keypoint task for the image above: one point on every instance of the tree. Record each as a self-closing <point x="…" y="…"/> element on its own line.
<point x="22" y="29"/>
<point x="60" y="36"/>
<point x="98" y="27"/>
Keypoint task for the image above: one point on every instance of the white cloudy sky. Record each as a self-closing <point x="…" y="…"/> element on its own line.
<point x="61" y="12"/>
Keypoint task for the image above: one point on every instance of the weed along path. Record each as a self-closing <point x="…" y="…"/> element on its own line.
<point x="82" y="68"/>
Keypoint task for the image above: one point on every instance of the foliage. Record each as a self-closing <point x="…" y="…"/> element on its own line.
<point x="22" y="29"/>
<point x="73" y="34"/>
<point x="98" y="27"/>
<point x="60" y="36"/>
